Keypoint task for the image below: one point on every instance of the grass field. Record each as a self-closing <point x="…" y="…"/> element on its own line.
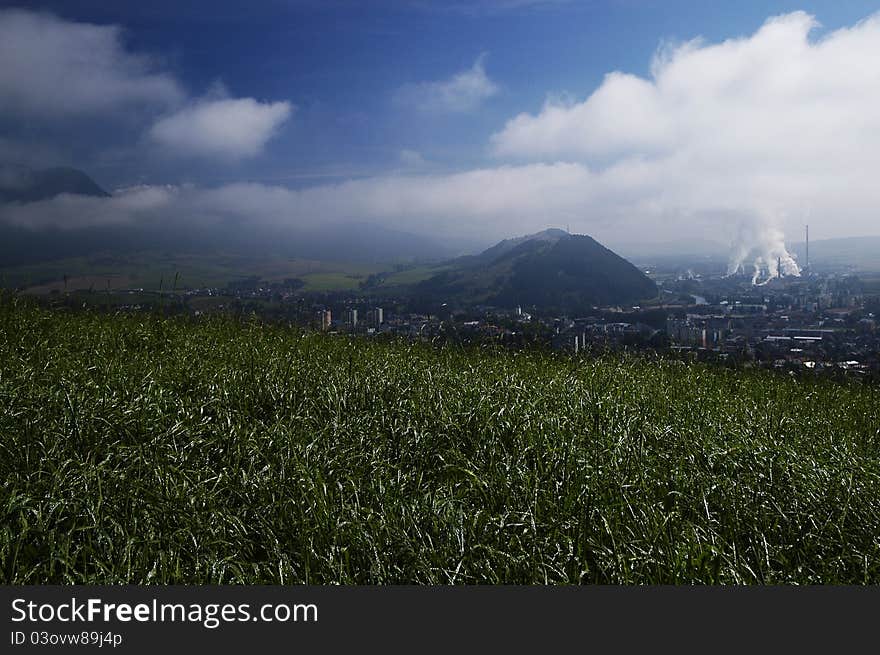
<point x="137" y="449"/>
<point x="413" y="275"/>
<point x="149" y="270"/>
<point x="333" y="281"/>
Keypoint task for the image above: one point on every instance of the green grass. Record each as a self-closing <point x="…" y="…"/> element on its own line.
<point x="149" y="270"/>
<point x="413" y="275"/>
<point x="333" y="281"/>
<point x="137" y="449"/>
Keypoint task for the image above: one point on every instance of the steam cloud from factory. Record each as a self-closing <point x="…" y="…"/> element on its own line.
<point x="761" y="246"/>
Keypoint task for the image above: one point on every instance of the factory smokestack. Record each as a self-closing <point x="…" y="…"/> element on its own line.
<point x="807" y="258"/>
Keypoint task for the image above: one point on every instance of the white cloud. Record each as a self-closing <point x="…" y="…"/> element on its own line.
<point x="774" y="93"/>
<point x="53" y="69"/>
<point x="732" y="141"/>
<point x="67" y="212"/>
<point x="56" y="68"/>
<point x="463" y="92"/>
<point x="227" y="128"/>
<point x="478" y="204"/>
<point x="757" y="130"/>
<point x="619" y="204"/>
<point x="624" y="116"/>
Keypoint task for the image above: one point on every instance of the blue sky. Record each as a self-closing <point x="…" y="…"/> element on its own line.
<point x="409" y="112"/>
<point x="342" y="62"/>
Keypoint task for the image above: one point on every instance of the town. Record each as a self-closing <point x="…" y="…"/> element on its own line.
<point x="811" y="323"/>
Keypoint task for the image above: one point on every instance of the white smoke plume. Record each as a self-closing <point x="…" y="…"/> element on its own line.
<point x="761" y="246"/>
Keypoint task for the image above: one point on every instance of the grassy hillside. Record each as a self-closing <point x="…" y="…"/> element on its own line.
<point x="135" y="449"/>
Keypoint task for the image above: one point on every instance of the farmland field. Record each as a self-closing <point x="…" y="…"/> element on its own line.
<point x="152" y="270"/>
<point x="413" y="275"/>
<point x="142" y="449"/>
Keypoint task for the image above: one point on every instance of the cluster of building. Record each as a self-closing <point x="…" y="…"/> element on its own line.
<point x="369" y="321"/>
<point x="812" y="322"/>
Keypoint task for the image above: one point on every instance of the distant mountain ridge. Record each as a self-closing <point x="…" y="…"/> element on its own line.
<point x="548" y="270"/>
<point x="859" y="253"/>
<point x="21" y="184"/>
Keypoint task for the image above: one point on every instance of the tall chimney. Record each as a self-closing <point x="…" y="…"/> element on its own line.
<point x="807" y="265"/>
